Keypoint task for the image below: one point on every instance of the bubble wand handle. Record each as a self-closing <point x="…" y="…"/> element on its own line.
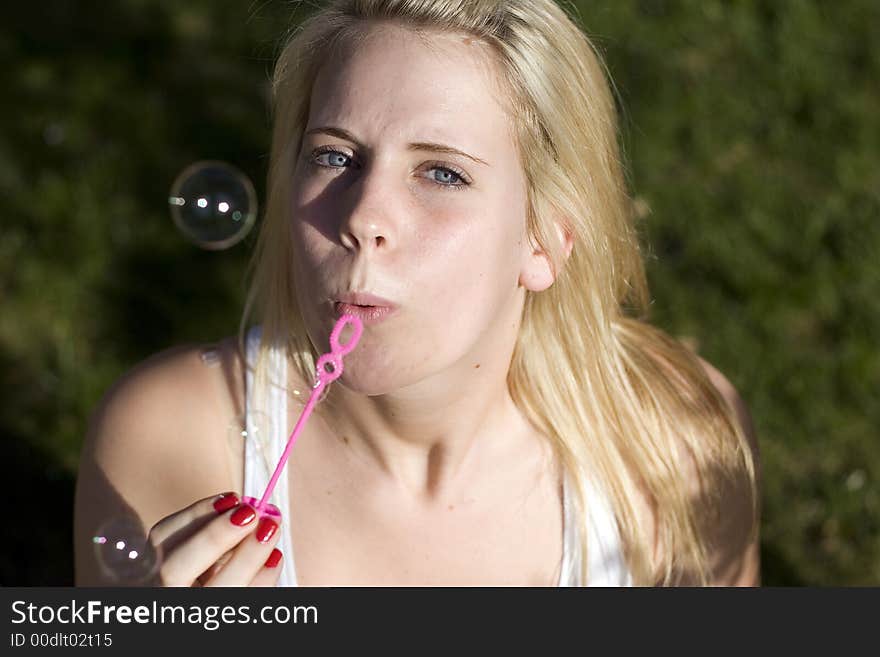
<point x="333" y="358"/>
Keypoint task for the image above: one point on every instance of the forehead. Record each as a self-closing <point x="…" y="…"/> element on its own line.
<point x="395" y="83"/>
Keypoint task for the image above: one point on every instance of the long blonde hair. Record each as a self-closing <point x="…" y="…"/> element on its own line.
<point x="618" y="398"/>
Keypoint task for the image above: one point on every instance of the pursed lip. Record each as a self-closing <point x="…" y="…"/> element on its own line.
<point x="364" y="299"/>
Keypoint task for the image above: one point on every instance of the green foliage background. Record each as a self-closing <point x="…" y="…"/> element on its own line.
<point x="752" y="132"/>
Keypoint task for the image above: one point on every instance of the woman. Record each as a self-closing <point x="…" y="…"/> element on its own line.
<point x="513" y="420"/>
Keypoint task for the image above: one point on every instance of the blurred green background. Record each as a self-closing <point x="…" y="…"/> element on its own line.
<point x="752" y="133"/>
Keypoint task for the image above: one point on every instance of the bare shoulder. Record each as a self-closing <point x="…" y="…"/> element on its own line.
<point x="734" y="548"/>
<point x="734" y="400"/>
<point x="156" y="441"/>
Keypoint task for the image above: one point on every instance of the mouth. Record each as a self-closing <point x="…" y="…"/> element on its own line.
<point x="369" y="308"/>
<point x="367" y="314"/>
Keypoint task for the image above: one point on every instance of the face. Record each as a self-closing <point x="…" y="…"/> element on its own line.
<point x="440" y="234"/>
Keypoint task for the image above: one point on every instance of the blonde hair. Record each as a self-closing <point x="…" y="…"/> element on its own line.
<point x="618" y="398"/>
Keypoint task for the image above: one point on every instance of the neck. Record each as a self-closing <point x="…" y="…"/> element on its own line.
<point x="433" y="438"/>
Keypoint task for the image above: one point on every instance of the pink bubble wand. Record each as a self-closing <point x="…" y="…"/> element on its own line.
<point x="333" y="358"/>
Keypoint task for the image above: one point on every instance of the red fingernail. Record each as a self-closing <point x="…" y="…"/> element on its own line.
<point x="243" y="515"/>
<point x="274" y="558"/>
<point x="266" y="529"/>
<point x="225" y="502"/>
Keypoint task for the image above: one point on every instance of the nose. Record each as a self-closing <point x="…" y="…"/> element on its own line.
<point x="362" y="234"/>
<point x="368" y="225"/>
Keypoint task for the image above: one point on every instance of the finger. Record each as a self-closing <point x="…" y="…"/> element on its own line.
<point x="270" y="573"/>
<point x="197" y="513"/>
<point x="249" y="556"/>
<point x="195" y="555"/>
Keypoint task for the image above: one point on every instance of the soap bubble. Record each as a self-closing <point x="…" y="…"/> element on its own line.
<point x="257" y="433"/>
<point x="254" y="433"/>
<point x="324" y="392"/>
<point x="124" y="553"/>
<point x="213" y="204"/>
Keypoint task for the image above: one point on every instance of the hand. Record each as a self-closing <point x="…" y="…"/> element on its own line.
<point x="216" y="542"/>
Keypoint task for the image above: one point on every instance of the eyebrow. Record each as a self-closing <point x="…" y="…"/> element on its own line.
<point x="414" y="146"/>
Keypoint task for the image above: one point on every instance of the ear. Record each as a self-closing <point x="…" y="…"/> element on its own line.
<point x="537" y="271"/>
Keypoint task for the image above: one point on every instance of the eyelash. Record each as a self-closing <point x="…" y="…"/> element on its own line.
<point x="434" y="165"/>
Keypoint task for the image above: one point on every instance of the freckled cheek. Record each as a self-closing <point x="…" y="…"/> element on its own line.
<point x="298" y="238"/>
<point x="308" y="247"/>
<point x="453" y="260"/>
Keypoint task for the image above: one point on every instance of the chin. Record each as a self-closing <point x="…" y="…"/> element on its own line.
<point x="369" y="385"/>
<point x="370" y="378"/>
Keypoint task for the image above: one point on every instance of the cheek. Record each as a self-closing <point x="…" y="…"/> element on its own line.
<point x="302" y="252"/>
<point x="467" y="265"/>
<point x="449" y="245"/>
<point x="310" y="261"/>
<point x="309" y="246"/>
<point x="485" y="242"/>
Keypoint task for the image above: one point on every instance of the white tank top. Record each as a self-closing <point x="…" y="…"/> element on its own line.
<point x="266" y="410"/>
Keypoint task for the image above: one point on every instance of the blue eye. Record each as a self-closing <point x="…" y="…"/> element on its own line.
<point x="331" y="152"/>
<point x="451" y="173"/>
<point x="337" y="159"/>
